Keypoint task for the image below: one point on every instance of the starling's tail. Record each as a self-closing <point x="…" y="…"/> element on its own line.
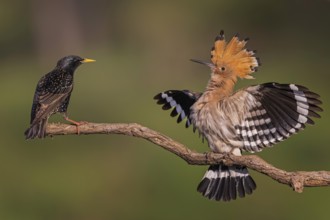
<point x="224" y="183"/>
<point x="36" y="130"/>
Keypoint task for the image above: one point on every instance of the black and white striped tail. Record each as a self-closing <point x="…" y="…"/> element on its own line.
<point x="223" y="183"/>
<point x="36" y="130"/>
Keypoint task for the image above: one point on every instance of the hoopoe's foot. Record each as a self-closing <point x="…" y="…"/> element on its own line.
<point x="76" y="123"/>
<point x="207" y="155"/>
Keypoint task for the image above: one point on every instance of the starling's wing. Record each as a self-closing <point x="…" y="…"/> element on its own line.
<point x="271" y="112"/>
<point x="181" y="100"/>
<point x="47" y="99"/>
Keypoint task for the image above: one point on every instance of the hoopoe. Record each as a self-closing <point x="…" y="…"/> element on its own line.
<point x="249" y="120"/>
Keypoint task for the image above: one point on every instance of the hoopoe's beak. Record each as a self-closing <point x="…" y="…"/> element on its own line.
<point x="211" y="65"/>
<point x="87" y="60"/>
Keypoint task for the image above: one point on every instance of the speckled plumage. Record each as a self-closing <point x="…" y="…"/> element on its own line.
<point x="52" y="95"/>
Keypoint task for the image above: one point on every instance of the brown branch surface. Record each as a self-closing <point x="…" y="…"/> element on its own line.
<point x="297" y="180"/>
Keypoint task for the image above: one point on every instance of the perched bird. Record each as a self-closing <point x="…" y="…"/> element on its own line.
<point x="52" y="95"/>
<point x="249" y="120"/>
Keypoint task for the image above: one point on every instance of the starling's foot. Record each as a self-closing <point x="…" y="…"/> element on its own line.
<point x="76" y="123"/>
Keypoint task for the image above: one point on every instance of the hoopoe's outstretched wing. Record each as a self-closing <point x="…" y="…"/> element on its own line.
<point x="271" y="112"/>
<point x="180" y="101"/>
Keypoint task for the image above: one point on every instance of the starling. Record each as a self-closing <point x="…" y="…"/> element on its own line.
<point x="52" y="95"/>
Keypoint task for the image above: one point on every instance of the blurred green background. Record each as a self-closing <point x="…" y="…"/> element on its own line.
<point x="142" y="48"/>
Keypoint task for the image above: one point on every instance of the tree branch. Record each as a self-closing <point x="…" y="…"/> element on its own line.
<point x="297" y="180"/>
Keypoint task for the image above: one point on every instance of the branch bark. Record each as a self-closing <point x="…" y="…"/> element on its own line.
<point x="297" y="180"/>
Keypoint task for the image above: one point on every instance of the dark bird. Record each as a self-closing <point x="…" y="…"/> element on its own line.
<point x="250" y="119"/>
<point x="52" y="95"/>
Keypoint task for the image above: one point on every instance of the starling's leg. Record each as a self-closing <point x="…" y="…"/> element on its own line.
<point x="76" y="123"/>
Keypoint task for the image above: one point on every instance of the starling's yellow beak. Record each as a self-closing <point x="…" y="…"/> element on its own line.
<point x="87" y="60"/>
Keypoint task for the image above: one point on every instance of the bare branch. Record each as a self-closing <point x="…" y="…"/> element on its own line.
<point x="297" y="180"/>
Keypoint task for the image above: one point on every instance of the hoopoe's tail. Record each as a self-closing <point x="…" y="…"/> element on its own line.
<point x="225" y="183"/>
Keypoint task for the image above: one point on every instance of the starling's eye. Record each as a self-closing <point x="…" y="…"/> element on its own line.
<point x="223" y="68"/>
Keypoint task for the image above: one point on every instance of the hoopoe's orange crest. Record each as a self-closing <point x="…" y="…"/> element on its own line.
<point x="232" y="57"/>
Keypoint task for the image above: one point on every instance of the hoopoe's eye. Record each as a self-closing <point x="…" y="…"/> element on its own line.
<point x="223" y="68"/>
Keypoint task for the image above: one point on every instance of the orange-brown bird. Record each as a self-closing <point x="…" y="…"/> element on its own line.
<point x="249" y="120"/>
<point x="52" y="95"/>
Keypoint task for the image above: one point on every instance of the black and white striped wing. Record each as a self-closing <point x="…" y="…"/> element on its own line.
<point x="273" y="112"/>
<point x="180" y="101"/>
